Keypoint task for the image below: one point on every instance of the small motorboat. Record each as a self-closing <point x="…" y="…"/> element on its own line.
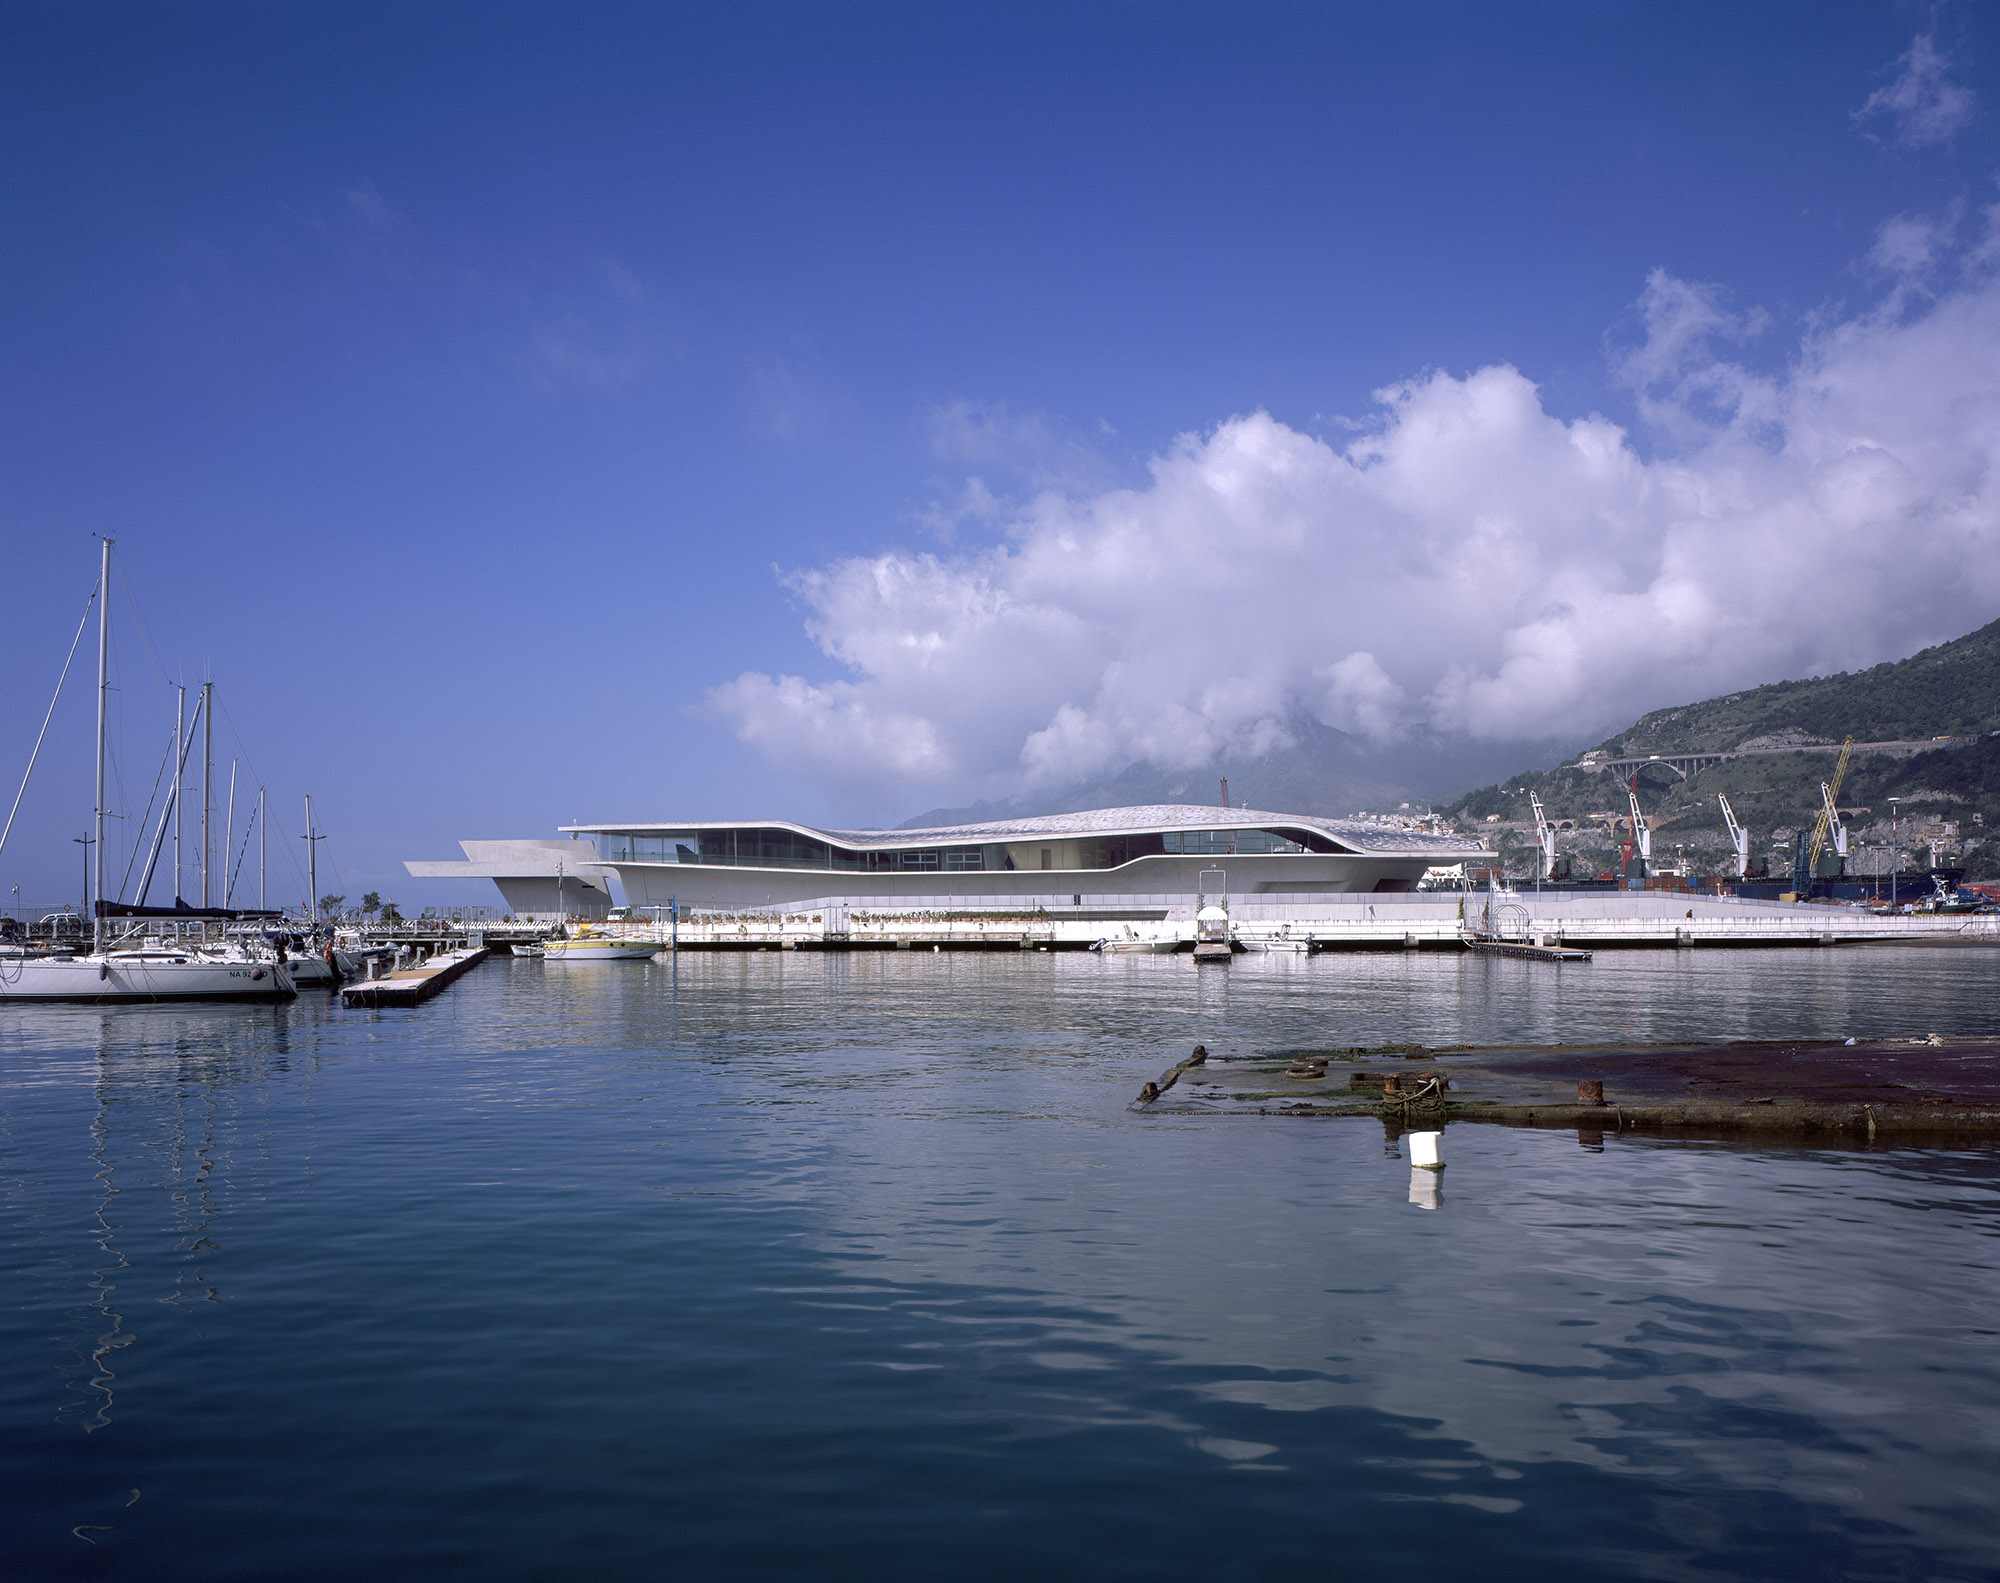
<point x="1129" y="942"/>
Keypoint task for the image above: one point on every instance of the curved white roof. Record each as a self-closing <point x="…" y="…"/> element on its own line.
<point x="1353" y="835"/>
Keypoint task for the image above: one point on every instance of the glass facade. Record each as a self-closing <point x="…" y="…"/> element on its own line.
<point x="761" y="846"/>
<point x="1223" y="843"/>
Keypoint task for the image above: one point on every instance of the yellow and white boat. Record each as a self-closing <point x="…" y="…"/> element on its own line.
<point x="592" y="945"/>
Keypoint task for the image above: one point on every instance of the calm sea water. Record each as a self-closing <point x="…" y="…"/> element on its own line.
<point x="783" y="1266"/>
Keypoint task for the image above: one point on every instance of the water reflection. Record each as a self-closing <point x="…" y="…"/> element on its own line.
<point x="168" y="1089"/>
<point x="873" y="1240"/>
<point x="102" y="1321"/>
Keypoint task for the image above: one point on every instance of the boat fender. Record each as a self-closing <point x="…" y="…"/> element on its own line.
<point x="258" y="974"/>
<point x="103" y="970"/>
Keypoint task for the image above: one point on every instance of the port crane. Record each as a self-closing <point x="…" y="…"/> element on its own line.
<point x="1828" y="825"/>
<point x="1545" y="838"/>
<point x="1642" y="833"/>
<point x="1739" y="838"/>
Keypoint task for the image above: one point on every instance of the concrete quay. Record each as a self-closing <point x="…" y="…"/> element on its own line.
<point x="1418" y="921"/>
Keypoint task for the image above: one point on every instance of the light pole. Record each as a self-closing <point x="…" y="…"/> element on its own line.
<point x="1895" y="857"/>
<point x="86" y="842"/>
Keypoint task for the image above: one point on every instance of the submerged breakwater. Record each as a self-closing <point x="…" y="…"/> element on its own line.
<point x="771" y="1264"/>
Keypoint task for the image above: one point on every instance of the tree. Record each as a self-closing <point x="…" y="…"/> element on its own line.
<point x="389" y="913"/>
<point x="370" y="901"/>
<point x="330" y="905"/>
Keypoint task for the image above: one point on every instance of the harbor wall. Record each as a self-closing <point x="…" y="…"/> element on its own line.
<point x="1420" y="921"/>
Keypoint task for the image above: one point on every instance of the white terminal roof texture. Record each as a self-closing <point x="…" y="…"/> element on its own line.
<point x="1358" y="835"/>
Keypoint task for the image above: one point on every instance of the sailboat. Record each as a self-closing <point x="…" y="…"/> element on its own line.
<point x="154" y="971"/>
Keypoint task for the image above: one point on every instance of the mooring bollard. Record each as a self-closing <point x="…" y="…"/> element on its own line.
<point x="1392" y="1084"/>
<point x="1589" y="1091"/>
<point x="1200" y="1056"/>
<point x="1425" y="1152"/>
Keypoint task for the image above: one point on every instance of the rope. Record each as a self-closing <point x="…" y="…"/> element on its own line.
<point x="73" y="642"/>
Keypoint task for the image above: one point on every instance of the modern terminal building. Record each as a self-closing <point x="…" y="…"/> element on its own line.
<point x="1109" y="859"/>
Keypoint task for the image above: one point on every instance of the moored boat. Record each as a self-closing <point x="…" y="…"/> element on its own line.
<point x="101" y="977"/>
<point x="1129" y="942"/>
<point x="589" y="945"/>
<point x="106" y="972"/>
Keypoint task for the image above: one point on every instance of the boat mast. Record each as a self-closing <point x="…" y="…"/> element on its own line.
<point x="103" y="692"/>
<point x="180" y="774"/>
<point x="207" y="770"/>
<point x="261" y="826"/>
<point x="312" y="863"/>
<point x="229" y="835"/>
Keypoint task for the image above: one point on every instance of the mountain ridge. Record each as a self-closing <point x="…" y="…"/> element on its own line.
<point x="1949" y="689"/>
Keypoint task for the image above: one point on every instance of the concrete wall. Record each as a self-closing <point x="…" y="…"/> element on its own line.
<point x="533" y="896"/>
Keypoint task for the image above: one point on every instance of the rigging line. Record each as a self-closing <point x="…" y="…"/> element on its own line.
<point x="242" y="851"/>
<point x="287" y="859"/>
<point x="237" y="737"/>
<point x="147" y="817"/>
<point x="73" y="642"/>
<point x="298" y="872"/>
<point x="173" y="801"/>
<point x="138" y="620"/>
<point x="275" y="827"/>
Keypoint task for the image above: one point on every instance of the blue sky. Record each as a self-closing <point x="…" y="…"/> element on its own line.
<point x="541" y="413"/>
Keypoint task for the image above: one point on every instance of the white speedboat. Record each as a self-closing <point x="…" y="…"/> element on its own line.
<point x="1129" y="942"/>
<point x="1272" y="942"/>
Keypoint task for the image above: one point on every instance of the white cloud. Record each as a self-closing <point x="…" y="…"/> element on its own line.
<point x="986" y="433"/>
<point x="369" y="207"/>
<point x="576" y="352"/>
<point x="1470" y="563"/>
<point x="1921" y="106"/>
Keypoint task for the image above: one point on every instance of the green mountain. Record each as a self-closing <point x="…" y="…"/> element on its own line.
<point x="1949" y="793"/>
<point x="1950" y="690"/>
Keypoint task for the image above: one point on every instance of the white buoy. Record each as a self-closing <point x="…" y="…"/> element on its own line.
<point x="1424" y="1151"/>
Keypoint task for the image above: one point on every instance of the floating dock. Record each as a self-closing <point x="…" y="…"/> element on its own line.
<point x="1906" y="1089"/>
<point x="411" y="986"/>
<point x="1526" y="950"/>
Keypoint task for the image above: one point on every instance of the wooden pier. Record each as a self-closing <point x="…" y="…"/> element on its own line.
<point x="411" y="986"/>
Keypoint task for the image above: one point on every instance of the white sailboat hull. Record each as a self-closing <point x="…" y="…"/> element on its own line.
<point x="311" y="972"/>
<point x="140" y="976"/>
